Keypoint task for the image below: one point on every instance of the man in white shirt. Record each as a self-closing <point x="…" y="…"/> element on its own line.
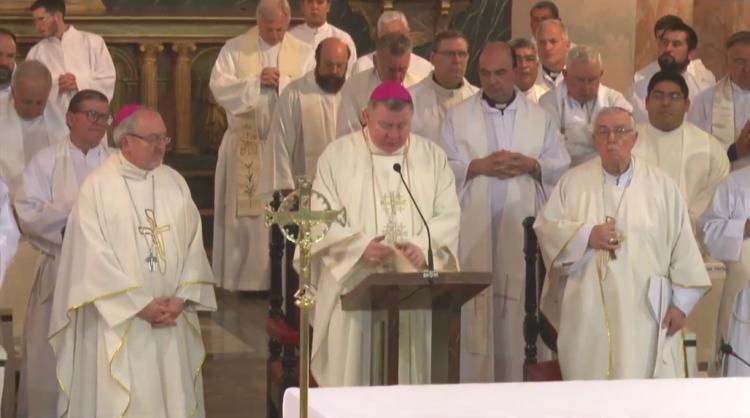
<point x="78" y="60"/>
<point x="678" y="44"/>
<point x="445" y="88"/>
<point x="48" y="189"/>
<point x="527" y="68"/>
<point x="553" y="45"/>
<point x="723" y="110"/>
<point x="393" y="21"/>
<point x="316" y="28"/>
<point x="7" y="62"/>
<point x="574" y="103"/>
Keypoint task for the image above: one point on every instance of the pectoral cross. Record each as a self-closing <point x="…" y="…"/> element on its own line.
<point x="153" y="233"/>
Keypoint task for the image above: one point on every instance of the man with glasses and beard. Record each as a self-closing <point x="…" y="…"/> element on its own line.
<point x="305" y="118"/>
<point x="7" y="63"/>
<point x="678" y="44"/>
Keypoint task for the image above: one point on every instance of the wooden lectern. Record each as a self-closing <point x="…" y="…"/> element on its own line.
<point x="443" y="295"/>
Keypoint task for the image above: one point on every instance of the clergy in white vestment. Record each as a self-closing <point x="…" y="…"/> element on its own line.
<point x="316" y="28"/>
<point x="383" y="233"/>
<point x="124" y="325"/>
<point x="505" y="152"/>
<point x="574" y="103"/>
<point x="678" y="44"/>
<point x="695" y="67"/>
<point x="725" y="227"/>
<point x="393" y="21"/>
<point x="305" y="119"/>
<point x="691" y="157"/>
<point x="46" y="193"/>
<point x="9" y="234"/>
<point x="553" y="46"/>
<point x="28" y="122"/>
<point x="392" y="55"/>
<point x="527" y="68"/>
<point x="251" y="71"/>
<point x="623" y="266"/>
<point x="7" y="63"/>
<point x="77" y="59"/>
<point x="723" y="110"/>
<point x="445" y="87"/>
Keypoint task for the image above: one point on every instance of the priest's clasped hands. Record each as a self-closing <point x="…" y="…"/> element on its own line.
<point x="502" y="164"/>
<point x="604" y="236"/>
<point x="162" y="312"/>
<point x="270" y="77"/>
<point x="67" y="82"/>
<point x="377" y="252"/>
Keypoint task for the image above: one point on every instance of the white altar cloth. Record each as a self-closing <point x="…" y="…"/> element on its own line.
<point x="684" y="398"/>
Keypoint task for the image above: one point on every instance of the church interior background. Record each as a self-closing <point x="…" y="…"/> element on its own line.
<point x="164" y="51"/>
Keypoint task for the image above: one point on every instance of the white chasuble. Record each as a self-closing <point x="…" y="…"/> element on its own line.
<point x="304" y="125"/>
<point x="491" y="231"/>
<point x="355" y="175"/>
<point x="432" y="101"/>
<point x="240" y="241"/>
<point x="145" y="231"/>
<point x="83" y="54"/>
<point x="605" y="324"/>
<point x="9" y="234"/>
<point x="723" y="229"/>
<point x="692" y="158"/>
<point x="574" y="118"/>
<point x="48" y="189"/>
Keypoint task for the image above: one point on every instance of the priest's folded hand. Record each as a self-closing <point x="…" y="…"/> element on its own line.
<point x="269" y="77"/>
<point x="604" y="237"/>
<point x="376" y="252"/>
<point x="413" y="253"/>
<point x="67" y="82"/>
<point x="673" y="320"/>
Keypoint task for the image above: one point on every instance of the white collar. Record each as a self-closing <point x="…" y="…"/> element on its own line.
<point x="624" y="179"/>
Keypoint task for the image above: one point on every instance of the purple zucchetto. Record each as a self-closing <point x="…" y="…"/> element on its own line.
<point x="390" y="90"/>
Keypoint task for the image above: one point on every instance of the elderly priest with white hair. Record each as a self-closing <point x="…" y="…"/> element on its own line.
<point x="133" y="275"/>
<point x="624" y="269"/>
<point x="251" y="71"/>
<point x="383" y="233"/>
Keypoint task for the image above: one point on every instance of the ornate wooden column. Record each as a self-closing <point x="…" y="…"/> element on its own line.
<point x="149" y="91"/>
<point x="182" y="87"/>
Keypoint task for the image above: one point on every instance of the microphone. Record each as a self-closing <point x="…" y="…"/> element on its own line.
<point x="729" y="351"/>
<point x="430" y="274"/>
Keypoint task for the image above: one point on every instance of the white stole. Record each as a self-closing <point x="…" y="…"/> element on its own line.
<point x="520" y="201"/>
<point x="722" y="119"/>
<point x="318" y="112"/>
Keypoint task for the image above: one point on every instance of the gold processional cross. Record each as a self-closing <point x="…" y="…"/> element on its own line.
<point x="157" y="252"/>
<point x="312" y="227"/>
<point x="393" y="203"/>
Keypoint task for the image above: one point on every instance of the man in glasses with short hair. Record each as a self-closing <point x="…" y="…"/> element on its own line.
<point x="47" y="191"/>
<point x="694" y="159"/>
<point x="445" y="87"/>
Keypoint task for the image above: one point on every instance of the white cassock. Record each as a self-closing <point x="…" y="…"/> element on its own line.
<point x="535" y="92"/>
<point x="722" y="110"/>
<point x="492" y="211"/>
<point x="354" y="174"/>
<point x="83" y="54"/>
<point x="607" y="311"/>
<point x="639" y="90"/>
<point x="48" y="189"/>
<point x="574" y="118"/>
<point x="9" y="234"/>
<point x="355" y="94"/>
<point x="304" y="124"/>
<point x="145" y="231"/>
<point x="419" y="67"/>
<point x="692" y="158"/>
<point x="723" y="228"/>
<point x="545" y="81"/>
<point x="313" y="36"/>
<point x="240" y="241"/>
<point x="431" y="101"/>
<point x="695" y="68"/>
<point x="22" y="139"/>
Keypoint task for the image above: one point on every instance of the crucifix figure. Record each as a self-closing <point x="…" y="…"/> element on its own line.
<point x="157" y="253"/>
<point x="307" y="220"/>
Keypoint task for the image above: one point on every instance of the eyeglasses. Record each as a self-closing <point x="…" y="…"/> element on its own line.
<point x="453" y="54"/>
<point x="619" y="132"/>
<point x="153" y="139"/>
<point x="660" y="95"/>
<point x="93" y="116"/>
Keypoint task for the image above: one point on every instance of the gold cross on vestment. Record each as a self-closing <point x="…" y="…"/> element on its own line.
<point x="392" y="203"/>
<point x="153" y="234"/>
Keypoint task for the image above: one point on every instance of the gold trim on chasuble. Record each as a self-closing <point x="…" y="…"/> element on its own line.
<point x="248" y="168"/>
<point x="153" y="232"/>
